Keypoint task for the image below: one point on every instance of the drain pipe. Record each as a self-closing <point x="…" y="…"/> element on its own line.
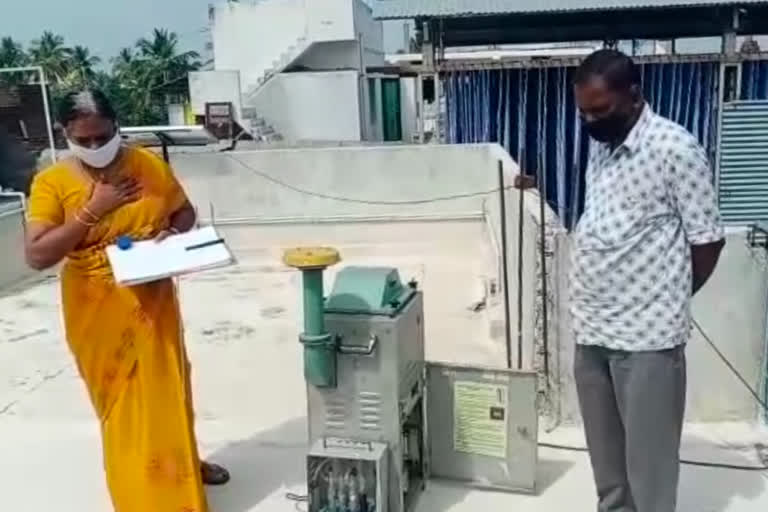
<point x="320" y="347"/>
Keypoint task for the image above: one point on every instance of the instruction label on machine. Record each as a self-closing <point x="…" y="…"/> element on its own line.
<point x="480" y="419"/>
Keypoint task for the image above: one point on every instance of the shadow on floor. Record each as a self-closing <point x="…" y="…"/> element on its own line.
<point x="259" y="466"/>
<point x="442" y="495"/>
<point x="549" y="471"/>
<point x="714" y="489"/>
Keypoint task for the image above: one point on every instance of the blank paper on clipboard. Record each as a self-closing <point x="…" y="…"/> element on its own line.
<point x="147" y="261"/>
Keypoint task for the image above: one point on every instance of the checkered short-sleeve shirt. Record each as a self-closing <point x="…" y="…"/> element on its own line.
<point x="647" y="202"/>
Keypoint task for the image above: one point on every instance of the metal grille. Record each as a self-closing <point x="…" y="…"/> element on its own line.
<point x="744" y="163"/>
<point x="370" y="411"/>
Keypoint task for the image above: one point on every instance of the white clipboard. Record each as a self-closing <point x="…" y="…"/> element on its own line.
<point x="186" y="253"/>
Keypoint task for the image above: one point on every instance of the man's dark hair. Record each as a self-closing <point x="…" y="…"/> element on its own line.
<point x="84" y="103"/>
<point x="617" y="69"/>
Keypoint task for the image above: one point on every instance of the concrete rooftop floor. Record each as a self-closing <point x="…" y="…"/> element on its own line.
<point x="242" y="326"/>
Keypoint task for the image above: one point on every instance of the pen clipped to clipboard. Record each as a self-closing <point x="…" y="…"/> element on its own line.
<point x="146" y="261"/>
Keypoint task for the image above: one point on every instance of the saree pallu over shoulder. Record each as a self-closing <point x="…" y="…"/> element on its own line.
<point x="94" y="307"/>
<point x="127" y="341"/>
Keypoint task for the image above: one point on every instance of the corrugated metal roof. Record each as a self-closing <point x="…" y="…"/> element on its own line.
<point x="744" y="163"/>
<point x="405" y="9"/>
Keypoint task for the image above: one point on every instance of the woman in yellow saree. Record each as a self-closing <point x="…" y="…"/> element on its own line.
<point x="127" y="342"/>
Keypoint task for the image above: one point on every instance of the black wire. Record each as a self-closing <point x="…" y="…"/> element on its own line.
<point x="716" y="465"/>
<point x="730" y="366"/>
<point x="364" y="201"/>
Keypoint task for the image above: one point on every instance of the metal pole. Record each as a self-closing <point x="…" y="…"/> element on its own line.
<point x="47" y="109"/>
<point x="543" y="255"/>
<point x="718" y="136"/>
<point x="520" y="214"/>
<point x="436" y="135"/>
<point x="504" y="266"/>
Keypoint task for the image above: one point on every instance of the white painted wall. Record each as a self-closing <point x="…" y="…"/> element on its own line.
<point x="322" y="106"/>
<point x="330" y="20"/>
<point x="214" y="86"/>
<point x="176" y="115"/>
<point x="250" y="37"/>
<point x="330" y="56"/>
<point x="14" y="267"/>
<point x="408" y="109"/>
<point x="370" y="33"/>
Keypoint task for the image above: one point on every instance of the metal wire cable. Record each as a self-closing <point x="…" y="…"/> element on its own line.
<point x="715" y="465"/>
<point x="730" y="366"/>
<point x="342" y="199"/>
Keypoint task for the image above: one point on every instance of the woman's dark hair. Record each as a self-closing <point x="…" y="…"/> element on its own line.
<point x="83" y="103"/>
<point x="617" y="69"/>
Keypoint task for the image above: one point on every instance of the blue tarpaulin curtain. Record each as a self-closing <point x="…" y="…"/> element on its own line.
<point x="532" y="113"/>
<point x="754" y="80"/>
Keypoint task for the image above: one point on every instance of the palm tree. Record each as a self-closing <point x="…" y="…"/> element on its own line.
<point x="123" y="61"/>
<point x="169" y="67"/>
<point x="83" y="63"/>
<point x="12" y="54"/>
<point x="50" y="53"/>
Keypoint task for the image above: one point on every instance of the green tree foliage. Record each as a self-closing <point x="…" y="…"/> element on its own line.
<point x="140" y="81"/>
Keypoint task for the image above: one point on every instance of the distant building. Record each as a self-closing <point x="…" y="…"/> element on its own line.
<point x="294" y="70"/>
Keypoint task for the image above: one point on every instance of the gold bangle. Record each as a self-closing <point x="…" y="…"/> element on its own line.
<point x="83" y="222"/>
<point x="93" y="216"/>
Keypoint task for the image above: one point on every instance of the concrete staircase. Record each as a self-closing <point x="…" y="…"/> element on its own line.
<point x="258" y="127"/>
<point x="285" y="59"/>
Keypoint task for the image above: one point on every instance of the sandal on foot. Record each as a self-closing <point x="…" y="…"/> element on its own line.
<point x="213" y="474"/>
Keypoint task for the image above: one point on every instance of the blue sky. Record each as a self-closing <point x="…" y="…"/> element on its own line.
<point x="105" y="26"/>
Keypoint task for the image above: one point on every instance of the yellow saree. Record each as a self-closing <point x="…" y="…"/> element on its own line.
<point x="128" y="342"/>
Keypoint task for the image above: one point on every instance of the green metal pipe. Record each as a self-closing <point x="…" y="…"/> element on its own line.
<point x="319" y="346"/>
<point x="314" y="319"/>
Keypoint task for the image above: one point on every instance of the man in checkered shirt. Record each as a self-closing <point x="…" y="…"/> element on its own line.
<point x="648" y="240"/>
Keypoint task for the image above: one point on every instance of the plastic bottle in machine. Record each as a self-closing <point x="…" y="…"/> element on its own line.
<point x="332" y="497"/>
<point x="362" y="490"/>
<point x="351" y="483"/>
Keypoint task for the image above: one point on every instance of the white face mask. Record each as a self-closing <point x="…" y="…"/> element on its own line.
<point x="99" y="157"/>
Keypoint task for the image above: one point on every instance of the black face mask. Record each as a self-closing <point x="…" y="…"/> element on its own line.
<point x="607" y="128"/>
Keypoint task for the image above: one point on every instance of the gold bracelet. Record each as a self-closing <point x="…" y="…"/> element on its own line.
<point x="93" y="216"/>
<point x="83" y="222"/>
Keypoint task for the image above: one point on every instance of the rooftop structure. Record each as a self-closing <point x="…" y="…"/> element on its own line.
<point x="467" y="22"/>
<point x="400" y="9"/>
<point x="241" y="326"/>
